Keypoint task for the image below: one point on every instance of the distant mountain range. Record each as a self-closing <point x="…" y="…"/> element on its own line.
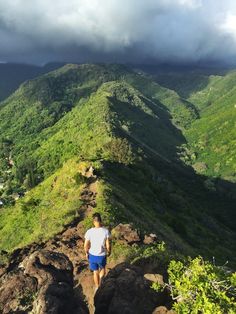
<point x="13" y="74"/>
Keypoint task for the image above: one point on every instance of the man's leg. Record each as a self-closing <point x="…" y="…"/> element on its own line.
<point x="102" y="266"/>
<point x="96" y="278"/>
<point x="101" y="274"/>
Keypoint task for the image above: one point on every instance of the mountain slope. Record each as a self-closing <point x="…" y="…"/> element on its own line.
<point x="106" y="117"/>
<point x="44" y="210"/>
<point x="103" y="138"/>
<point x="213" y="137"/>
<point x="38" y="104"/>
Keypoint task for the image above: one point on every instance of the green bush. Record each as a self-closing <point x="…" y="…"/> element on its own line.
<point x="79" y="178"/>
<point x="200" y="287"/>
<point x="152" y="252"/>
<point x="119" y="151"/>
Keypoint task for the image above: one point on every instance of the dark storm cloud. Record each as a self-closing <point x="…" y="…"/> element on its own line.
<point x="117" y="30"/>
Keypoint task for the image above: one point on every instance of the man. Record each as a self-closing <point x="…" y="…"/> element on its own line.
<point x="97" y="246"/>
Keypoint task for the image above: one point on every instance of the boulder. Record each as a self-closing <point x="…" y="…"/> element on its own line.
<point x="149" y="239"/>
<point x="163" y="310"/>
<point x="126" y="290"/>
<point x="126" y="233"/>
<point x="17" y="292"/>
<point x="157" y="278"/>
<point x="54" y="274"/>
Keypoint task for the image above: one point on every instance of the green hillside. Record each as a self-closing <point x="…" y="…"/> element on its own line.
<point x="129" y="129"/>
<point x="213" y="137"/>
<point x="217" y="87"/>
<point x="38" y="104"/>
<point x="210" y="147"/>
<point x="44" y="210"/>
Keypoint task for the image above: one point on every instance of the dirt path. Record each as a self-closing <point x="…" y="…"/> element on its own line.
<point x="70" y="242"/>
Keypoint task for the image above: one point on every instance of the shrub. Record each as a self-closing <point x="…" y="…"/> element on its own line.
<point x="119" y="151"/>
<point x="79" y="178"/>
<point x="200" y="287"/>
<point x="152" y="252"/>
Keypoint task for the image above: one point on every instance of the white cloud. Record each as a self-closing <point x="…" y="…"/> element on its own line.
<point x="229" y="26"/>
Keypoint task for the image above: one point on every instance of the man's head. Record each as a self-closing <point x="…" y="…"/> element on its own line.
<point x="97" y="220"/>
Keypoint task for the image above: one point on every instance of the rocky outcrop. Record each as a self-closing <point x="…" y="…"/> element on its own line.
<point x="163" y="310"/>
<point x="126" y="233"/>
<point x="126" y="290"/>
<point x="157" y="278"/>
<point x="17" y="292"/>
<point x="149" y="239"/>
<point x="54" y="274"/>
<point x="41" y="284"/>
<point x="53" y="277"/>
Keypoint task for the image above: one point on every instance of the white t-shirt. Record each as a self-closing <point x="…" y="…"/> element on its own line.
<point x="97" y="238"/>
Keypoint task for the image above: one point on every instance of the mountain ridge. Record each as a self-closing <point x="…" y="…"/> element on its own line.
<point x="102" y="124"/>
<point x="86" y="138"/>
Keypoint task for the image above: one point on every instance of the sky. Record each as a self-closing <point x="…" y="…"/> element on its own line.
<point x="123" y="31"/>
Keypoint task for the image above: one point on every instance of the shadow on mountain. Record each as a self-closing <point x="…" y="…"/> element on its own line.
<point x="185" y="80"/>
<point x="153" y="128"/>
<point x="162" y="194"/>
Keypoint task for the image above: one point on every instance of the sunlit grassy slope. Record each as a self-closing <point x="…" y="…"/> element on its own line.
<point x="213" y="137"/>
<point x="44" y="210"/>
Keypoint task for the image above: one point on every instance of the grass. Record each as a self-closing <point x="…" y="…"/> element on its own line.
<point x="43" y="211"/>
<point x="212" y="138"/>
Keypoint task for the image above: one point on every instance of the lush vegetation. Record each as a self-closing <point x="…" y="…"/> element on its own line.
<point x="195" y="285"/>
<point x="52" y="118"/>
<point x="210" y="145"/>
<point x="142" y="140"/>
<point x="212" y="138"/>
<point x="44" y="210"/>
<point x="199" y="286"/>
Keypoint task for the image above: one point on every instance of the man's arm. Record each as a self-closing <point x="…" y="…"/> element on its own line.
<point x="86" y="247"/>
<point x="108" y="246"/>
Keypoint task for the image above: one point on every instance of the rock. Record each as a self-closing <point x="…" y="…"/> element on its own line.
<point x="17" y="292"/>
<point x="2" y="270"/>
<point x="81" y="230"/>
<point x="126" y="290"/>
<point x="90" y="172"/>
<point x="54" y="274"/>
<point x="155" y="278"/>
<point x="163" y="310"/>
<point x="160" y="310"/>
<point x="48" y="265"/>
<point x="126" y="232"/>
<point x="149" y="239"/>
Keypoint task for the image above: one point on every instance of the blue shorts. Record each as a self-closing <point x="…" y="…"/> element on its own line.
<point x="96" y="262"/>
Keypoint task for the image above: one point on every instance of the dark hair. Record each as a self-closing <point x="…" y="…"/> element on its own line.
<point x="97" y="217"/>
